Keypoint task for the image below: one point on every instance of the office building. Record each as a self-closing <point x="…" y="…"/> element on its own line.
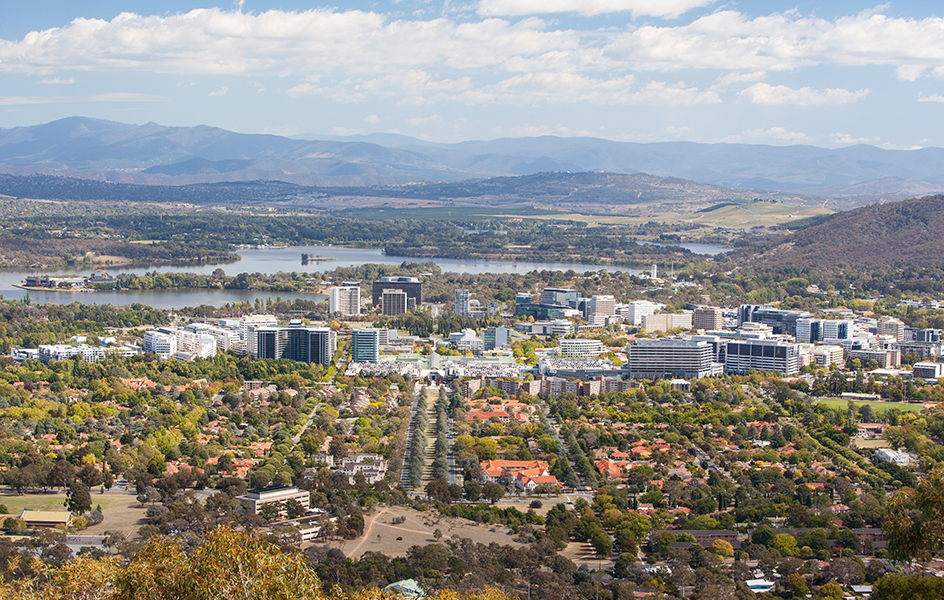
<point x="301" y="344"/>
<point x="163" y="344"/>
<point x="559" y="296"/>
<point x="523" y="298"/>
<point x="345" y="299"/>
<point x="817" y="330"/>
<point x="777" y="356"/>
<point x="601" y="306"/>
<point x="637" y="309"/>
<point x="225" y="338"/>
<point x="708" y="318"/>
<point x="394" y="302"/>
<point x="928" y="371"/>
<point x="247" y="330"/>
<point x="365" y="345"/>
<point x="495" y="337"/>
<point x="412" y="286"/>
<point x="826" y="356"/>
<point x="253" y="500"/>
<point x="665" y="322"/>
<point x="579" y="348"/>
<point x="462" y="303"/>
<point x="886" y="359"/>
<point x="671" y="358"/>
<point x="192" y="345"/>
<point x="781" y="321"/>
<point x="66" y="352"/>
<point x="891" y="326"/>
<point x="924" y="336"/>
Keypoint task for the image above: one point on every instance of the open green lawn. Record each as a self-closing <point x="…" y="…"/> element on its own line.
<point x="876" y="406"/>
<point x="121" y="511"/>
<point x="15" y="503"/>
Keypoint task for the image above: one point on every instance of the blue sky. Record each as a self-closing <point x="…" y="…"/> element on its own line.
<point x="822" y="73"/>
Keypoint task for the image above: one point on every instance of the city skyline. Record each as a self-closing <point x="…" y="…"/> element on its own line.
<point x="626" y="70"/>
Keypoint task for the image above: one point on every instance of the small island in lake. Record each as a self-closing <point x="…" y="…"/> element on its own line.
<point x="307" y="258"/>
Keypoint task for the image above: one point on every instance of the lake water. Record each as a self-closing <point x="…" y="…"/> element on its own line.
<point x="268" y="261"/>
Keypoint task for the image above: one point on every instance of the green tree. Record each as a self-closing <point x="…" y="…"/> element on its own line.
<point x="78" y="500"/>
<point x="493" y="492"/>
<point x="602" y="543"/>
<point x="915" y="519"/>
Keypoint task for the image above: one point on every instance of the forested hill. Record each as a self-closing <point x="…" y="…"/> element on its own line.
<point x="902" y="234"/>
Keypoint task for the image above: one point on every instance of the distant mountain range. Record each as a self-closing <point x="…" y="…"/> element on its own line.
<point x="154" y="154"/>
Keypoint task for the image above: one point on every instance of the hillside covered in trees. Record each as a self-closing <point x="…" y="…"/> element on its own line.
<point x="897" y="235"/>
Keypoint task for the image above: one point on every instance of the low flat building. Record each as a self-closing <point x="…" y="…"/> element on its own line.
<point x="47" y="518"/>
<point x="253" y="500"/>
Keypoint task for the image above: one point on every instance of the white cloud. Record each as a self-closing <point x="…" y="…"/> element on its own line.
<point x="59" y="80"/>
<point x="653" y="8"/>
<point x="372" y="119"/>
<point x="570" y="88"/>
<point x="764" y="93"/>
<point x="910" y="72"/>
<point x="220" y="92"/>
<point x="931" y="98"/>
<point x="730" y="41"/>
<point x="108" y="97"/>
<point x="353" y="55"/>
<point x="425" y="120"/>
<point x="346" y="131"/>
<point x="736" y="78"/>
<point x="845" y="138"/>
<point x="541" y="130"/>
<point x="774" y="133"/>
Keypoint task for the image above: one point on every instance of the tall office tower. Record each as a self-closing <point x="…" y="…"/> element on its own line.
<point x="559" y="296"/>
<point x="393" y="302"/>
<point x="462" y="303"/>
<point x="708" y="318"/>
<point x="601" y="305"/>
<point x="495" y="337"/>
<point x="345" y="299"/>
<point x="637" y="309"/>
<point x="365" y="345"/>
<point x="301" y="344"/>
<point x="411" y="285"/>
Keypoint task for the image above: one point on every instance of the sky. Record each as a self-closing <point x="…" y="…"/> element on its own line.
<point x="826" y="73"/>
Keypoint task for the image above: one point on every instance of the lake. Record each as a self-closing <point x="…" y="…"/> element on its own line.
<point x="268" y="261"/>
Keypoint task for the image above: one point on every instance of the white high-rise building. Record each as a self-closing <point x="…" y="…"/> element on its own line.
<point x="462" y="302"/>
<point x="636" y="310"/>
<point x="164" y="345"/>
<point x="345" y="299"/>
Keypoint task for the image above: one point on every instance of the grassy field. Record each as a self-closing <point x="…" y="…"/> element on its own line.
<point x="748" y="216"/>
<point x="743" y="216"/>
<point x="121" y="511"/>
<point x="876" y="406"/>
<point x="380" y="534"/>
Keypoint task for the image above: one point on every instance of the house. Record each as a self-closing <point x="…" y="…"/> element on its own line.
<point x="494" y="469"/>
